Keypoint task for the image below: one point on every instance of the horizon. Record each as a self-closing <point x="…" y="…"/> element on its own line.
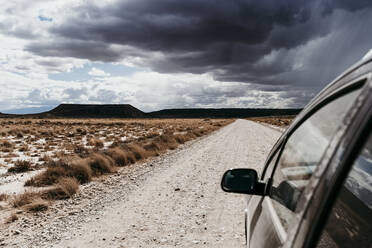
<point x="36" y="110"/>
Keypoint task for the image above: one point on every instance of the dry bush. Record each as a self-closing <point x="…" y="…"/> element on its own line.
<point x="65" y="188"/>
<point x="181" y="139"/>
<point x="77" y="168"/>
<point x="138" y="151"/>
<point x="154" y="148"/>
<point x="80" y="170"/>
<point x="13" y="217"/>
<point x="81" y="151"/>
<point x="100" y="164"/>
<point x="3" y="197"/>
<point x="37" y="205"/>
<point x="119" y="156"/>
<point x="6" y="144"/>
<point x="24" y="148"/>
<point x="169" y="140"/>
<point x="20" y="166"/>
<point x="45" y="158"/>
<point x="24" y="198"/>
<point x="48" y="177"/>
<point x="95" y="142"/>
<point x="281" y="121"/>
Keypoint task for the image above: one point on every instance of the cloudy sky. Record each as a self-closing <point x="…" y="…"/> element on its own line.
<point x="158" y="54"/>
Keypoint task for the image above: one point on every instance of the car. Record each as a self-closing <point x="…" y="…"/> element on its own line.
<point x="315" y="189"/>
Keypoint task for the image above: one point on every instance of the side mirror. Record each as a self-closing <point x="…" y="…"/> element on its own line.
<point x="243" y="181"/>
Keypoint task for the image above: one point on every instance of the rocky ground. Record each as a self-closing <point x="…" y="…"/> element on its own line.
<point x="172" y="200"/>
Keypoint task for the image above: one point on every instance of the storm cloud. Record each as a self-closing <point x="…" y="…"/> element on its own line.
<point x="286" y="42"/>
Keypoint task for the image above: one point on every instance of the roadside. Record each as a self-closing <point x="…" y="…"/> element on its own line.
<point x="171" y="200"/>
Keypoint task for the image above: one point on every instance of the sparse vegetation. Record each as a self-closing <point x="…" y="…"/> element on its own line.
<point x="20" y="166"/>
<point x="65" y="188"/>
<point x="282" y="121"/>
<point x="73" y="151"/>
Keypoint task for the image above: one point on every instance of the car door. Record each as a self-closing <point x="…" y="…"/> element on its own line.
<point x="349" y="223"/>
<point x="271" y="217"/>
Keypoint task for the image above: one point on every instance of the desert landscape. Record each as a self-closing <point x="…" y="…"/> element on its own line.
<point x="125" y="182"/>
<point x="53" y="167"/>
<point x="46" y="160"/>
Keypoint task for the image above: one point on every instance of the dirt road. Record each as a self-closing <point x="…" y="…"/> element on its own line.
<point x="173" y="200"/>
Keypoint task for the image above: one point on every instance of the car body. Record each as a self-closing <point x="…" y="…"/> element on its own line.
<point x="315" y="189"/>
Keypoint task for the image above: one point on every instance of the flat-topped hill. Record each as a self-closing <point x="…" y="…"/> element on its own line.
<point x="95" y="111"/>
<point x="221" y="113"/>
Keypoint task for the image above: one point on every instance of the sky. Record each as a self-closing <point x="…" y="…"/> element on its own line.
<point x="157" y="54"/>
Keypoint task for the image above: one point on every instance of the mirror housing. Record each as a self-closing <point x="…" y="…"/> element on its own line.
<point x="243" y="181"/>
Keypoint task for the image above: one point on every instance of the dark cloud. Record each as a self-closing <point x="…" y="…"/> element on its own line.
<point x="274" y="42"/>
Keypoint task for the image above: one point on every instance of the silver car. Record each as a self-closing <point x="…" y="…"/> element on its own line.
<point x="316" y="186"/>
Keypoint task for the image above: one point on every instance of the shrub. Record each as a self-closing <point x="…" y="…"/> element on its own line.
<point x="37" y="205"/>
<point x="119" y="156"/>
<point x="3" y="197"/>
<point x="138" y="152"/>
<point x="96" y="143"/>
<point x="65" y="188"/>
<point x="23" y="199"/>
<point x="80" y="170"/>
<point x="20" y="166"/>
<point x="100" y="164"/>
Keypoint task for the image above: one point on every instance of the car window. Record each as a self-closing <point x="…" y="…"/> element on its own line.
<point x="302" y="153"/>
<point x="350" y="221"/>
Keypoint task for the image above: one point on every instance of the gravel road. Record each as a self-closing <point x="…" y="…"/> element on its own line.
<point x="172" y="200"/>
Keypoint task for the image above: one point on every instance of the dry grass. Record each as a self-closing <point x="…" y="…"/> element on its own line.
<point x="101" y="164"/>
<point x="20" y="166"/>
<point x="79" y="169"/>
<point x="282" y="121"/>
<point x="37" y="205"/>
<point x="23" y="199"/>
<point x="65" y="188"/>
<point x="119" y="156"/>
<point x="73" y="151"/>
<point x="4" y="197"/>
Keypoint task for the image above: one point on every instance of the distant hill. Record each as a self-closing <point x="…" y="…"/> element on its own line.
<point x="95" y="111"/>
<point x="221" y="113"/>
<point x="128" y="111"/>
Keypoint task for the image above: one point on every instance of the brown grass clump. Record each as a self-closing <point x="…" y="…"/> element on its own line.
<point x="281" y="121"/>
<point x="37" y="205"/>
<point x="138" y="151"/>
<point x="96" y="143"/>
<point x="24" y="198"/>
<point x="119" y="156"/>
<point x="3" y="197"/>
<point x="78" y="169"/>
<point x="65" y="188"/>
<point x="20" y="166"/>
<point x="6" y="144"/>
<point x="100" y="164"/>
<point x="48" y="177"/>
